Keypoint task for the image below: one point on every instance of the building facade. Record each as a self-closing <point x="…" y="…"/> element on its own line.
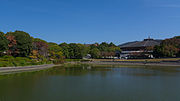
<point x="138" y="49"/>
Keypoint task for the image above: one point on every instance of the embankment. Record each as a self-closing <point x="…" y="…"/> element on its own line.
<point x="145" y="63"/>
<point x="9" y="70"/>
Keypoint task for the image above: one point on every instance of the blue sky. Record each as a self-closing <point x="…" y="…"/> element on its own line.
<point x="89" y="21"/>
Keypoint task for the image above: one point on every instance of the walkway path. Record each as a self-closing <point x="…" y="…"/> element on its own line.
<point x="8" y="70"/>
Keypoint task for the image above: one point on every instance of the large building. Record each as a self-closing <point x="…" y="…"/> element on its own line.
<point x="139" y="49"/>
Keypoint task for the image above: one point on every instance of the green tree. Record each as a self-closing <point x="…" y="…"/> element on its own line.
<point x="157" y="51"/>
<point x="82" y="51"/>
<point x="112" y="45"/>
<point x="24" y="43"/>
<point x="54" y="47"/>
<point x="55" y="50"/>
<point x="77" y="51"/>
<point x="103" y="47"/>
<point x="108" y="50"/>
<point x="95" y="53"/>
<point x="3" y="42"/>
<point x="65" y="49"/>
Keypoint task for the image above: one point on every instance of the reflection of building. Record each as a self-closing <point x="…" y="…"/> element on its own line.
<point x="139" y="49"/>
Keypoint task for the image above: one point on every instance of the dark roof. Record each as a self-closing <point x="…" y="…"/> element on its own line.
<point x="144" y="43"/>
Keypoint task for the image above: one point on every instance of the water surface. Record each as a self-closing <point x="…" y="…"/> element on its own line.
<point x="93" y="83"/>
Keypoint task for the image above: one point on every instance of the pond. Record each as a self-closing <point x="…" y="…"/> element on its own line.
<point x="93" y="83"/>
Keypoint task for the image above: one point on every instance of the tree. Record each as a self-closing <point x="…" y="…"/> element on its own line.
<point x="77" y="51"/>
<point x="65" y="49"/>
<point x="168" y="48"/>
<point x="3" y="43"/>
<point x="109" y="50"/>
<point x="95" y="45"/>
<point x="55" y="51"/>
<point x="41" y="47"/>
<point x="54" y="47"/>
<point x="24" y="43"/>
<point x="112" y="45"/>
<point x="12" y="50"/>
<point x="82" y="51"/>
<point x="103" y="47"/>
<point x="170" y="51"/>
<point x="95" y="53"/>
<point x="177" y="37"/>
<point x="157" y="51"/>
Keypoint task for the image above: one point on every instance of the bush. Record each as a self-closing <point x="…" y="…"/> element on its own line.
<point x="73" y="60"/>
<point x="9" y="61"/>
<point x="5" y="64"/>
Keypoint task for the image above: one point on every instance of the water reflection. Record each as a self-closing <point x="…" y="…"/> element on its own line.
<point x="78" y="70"/>
<point x="93" y="83"/>
<point x="122" y="70"/>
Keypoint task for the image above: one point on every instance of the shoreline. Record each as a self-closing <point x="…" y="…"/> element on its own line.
<point x="11" y="70"/>
<point x="164" y="64"/>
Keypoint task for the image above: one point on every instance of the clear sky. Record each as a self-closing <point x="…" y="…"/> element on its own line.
<point x="89" y="21"/>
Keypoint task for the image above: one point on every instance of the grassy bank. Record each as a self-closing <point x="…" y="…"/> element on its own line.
<point x="9" y="61"/>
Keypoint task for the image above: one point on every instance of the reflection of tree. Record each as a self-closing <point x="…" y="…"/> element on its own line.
<point x="27" y="83"/>
<point x="19" y="87"/>
<point x="76" y="70"/>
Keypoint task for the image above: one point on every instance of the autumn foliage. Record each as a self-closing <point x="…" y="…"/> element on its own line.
<point x="168" y="48"/>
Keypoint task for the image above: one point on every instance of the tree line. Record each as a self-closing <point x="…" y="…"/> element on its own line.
<point x="21" y="44"/>
<point x="78" y="51"/>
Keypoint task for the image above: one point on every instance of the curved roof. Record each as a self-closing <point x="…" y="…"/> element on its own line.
<point x="144" y="43"/>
